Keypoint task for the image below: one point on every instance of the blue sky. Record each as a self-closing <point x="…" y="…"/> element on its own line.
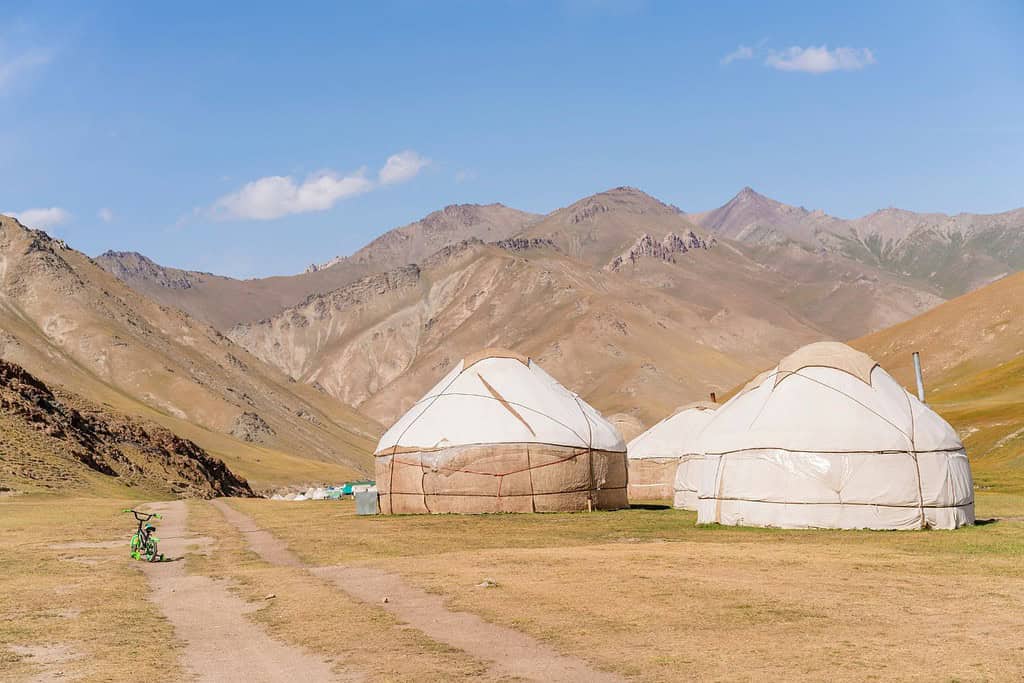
<point x="253" y="140"/>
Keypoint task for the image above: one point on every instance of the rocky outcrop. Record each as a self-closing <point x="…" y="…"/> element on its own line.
<point x="524" y="243"/>
<point x="665" y="250"/>
<point x="130" y="265"/>
<point x="252" y="428"/>
<point x="48" y="432"/>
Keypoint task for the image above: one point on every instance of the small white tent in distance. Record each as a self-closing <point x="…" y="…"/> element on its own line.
<point x="498" y="434"/>
<point x="658" y="454"/>
<point x="828" y="439"/>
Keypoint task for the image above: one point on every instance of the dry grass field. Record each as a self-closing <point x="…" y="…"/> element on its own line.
<point x="72" y="607"/>
<point x="649" y="595"/>
<point x="642" y="593"/>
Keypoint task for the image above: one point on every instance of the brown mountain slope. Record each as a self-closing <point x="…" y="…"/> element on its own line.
<point x="622" y="229"/>
<point x="383" y="341"/>
<point x="416" y="241"/>
<point x="599" y="228"/>
<point x="619" y="293"/>
<point x="752" y="218"/>
<point x="654" y="243"/>
<point x="972" y="351"/>
<point x="74" y="325"/>
<point x="224" y="302"/>
<point x="949" y="254"/>
<point x="55" y="441"/>
<point x="973" y="332"/>
<point x="218" y="300"/>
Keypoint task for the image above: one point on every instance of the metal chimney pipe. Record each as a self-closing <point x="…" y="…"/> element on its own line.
<point x="920" y="378"/>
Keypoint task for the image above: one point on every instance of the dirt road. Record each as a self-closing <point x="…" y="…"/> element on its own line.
<point x="510" y="652"/>
<point x="221" y="644"/>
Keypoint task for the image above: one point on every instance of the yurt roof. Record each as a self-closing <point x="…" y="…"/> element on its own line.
<point x="497" y="396"/>
<point x="827" y="354"/>
<point x="696" y="405"/>
<point x="493" y="352"/>
<point x="674" y="436"/>
<point x="835" y="355"/>
<point x="827" y="399"/>
<point x="629" y="426"/>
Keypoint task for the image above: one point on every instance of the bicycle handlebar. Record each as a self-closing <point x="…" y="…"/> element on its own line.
<point x="147" y="515"/>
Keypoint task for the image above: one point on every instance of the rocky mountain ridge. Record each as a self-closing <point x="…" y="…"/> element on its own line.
<point x="952" y="254"/>
<point x="665" y="250"/>
<point x="758" y="274"/>
<point x="414" y="242"/>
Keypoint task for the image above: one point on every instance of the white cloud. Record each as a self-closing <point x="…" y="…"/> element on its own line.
<point x="401" y="167"/>
<point x="43" y="219"/>
<point x="742" y="52"/>
<point x="11" y="69"/>
<point x="276" y="196"/>
<point x="819" y="60"/>
<point x="105" y="215"/>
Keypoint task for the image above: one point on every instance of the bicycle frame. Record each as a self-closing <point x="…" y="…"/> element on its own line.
<point x="141" y="539"/>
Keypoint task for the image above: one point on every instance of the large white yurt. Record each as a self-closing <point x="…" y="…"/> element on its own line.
<point x="657" y="455"/>
<point x="498" y="434"/>
<point x="829" y="439"/>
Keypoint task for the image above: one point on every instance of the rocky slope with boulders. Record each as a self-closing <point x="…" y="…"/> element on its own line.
<point x="54" y="440"/>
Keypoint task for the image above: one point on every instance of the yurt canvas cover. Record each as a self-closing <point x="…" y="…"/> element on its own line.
<point x="498" y="434"/>
<point x="829" y="439"/>
<point x="655" y="456"/>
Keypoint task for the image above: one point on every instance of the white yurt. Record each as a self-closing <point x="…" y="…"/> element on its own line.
<point x="656" y="456"/>
<point x="828" y="439"/>
<point x="498" y="434"/>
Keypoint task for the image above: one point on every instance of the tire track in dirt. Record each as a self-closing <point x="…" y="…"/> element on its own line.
<point x="221" y="644"/>
<point x="509" y="651"/>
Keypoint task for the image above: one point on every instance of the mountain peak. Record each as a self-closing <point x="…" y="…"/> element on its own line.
<point x="413" y="242"/>
<point x="750" y="195"/>
<point x="132" y="266"/>
<point x="624" y="199"/>
<point x="111" y="254"/>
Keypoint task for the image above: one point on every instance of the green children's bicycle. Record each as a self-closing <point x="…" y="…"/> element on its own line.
<point x="144" y="543"/>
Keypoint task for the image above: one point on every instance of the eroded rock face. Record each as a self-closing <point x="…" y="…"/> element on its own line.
<point x="252" y="428"/>
<point x="130" y="265"/>
<point x="665" y="250"/>
<point x="524" y="243"/>
<point x="48" y="431"/>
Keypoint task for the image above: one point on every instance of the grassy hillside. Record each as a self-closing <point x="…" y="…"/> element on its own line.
<point x="972" y="350"/>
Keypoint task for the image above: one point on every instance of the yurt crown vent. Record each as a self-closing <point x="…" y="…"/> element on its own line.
<point x="834" y="355"/>
<point x="493" y="352"/>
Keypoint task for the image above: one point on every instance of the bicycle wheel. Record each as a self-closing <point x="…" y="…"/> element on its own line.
<point x="151" y="552"/>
